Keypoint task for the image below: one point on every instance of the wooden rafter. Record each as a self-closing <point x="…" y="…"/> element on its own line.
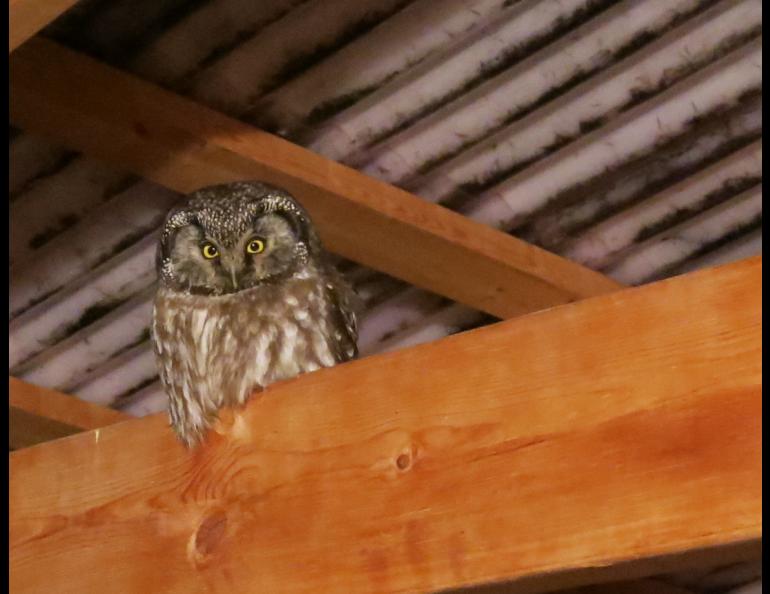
<point x="27" y="17"/>
<point x="38" y="414"/>
<point x="597" y="441"/>
<point x="182" y="145"/>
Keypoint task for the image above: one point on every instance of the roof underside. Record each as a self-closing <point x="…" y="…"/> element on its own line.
<point x="623" y="135"/>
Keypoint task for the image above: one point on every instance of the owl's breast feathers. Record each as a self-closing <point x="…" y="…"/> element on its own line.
<point x="216" y="351"/>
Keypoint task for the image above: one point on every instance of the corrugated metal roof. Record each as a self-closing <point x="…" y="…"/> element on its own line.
<point x="623" y="135"/>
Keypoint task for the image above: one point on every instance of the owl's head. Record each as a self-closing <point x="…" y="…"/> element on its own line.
<point x="233" y="237"/>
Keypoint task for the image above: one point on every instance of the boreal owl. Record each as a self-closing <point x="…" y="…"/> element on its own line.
<point x="246" y="297"/>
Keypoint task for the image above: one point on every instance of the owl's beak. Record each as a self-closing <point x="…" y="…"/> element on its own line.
<point x="232" y="268"/>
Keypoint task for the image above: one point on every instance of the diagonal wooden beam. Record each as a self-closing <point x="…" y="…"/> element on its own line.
<point x="27" y="17"/>
<point x="171" y="140"/>
<point x="37" y="414"/>
<point x="604" y="440"/>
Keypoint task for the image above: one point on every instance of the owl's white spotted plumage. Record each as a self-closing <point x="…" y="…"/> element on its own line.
<point x="246" y="297"/>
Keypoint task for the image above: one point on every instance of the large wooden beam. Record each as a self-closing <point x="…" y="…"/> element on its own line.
<point x="27" y="17"/>
<point x="598" y="441"/>
<point x="171" y="140"/>
<point x="37" y="414"/>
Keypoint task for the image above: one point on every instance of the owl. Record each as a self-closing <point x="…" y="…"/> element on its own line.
<point x="246" y="297"/>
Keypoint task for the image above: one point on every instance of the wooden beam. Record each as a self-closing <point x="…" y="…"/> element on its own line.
<point x="610" y="439"/>
<point x="37" y="414"/>
<point x="27" y="17"/>
<point x="173" y="141"/>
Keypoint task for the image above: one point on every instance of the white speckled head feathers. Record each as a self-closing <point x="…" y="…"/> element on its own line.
<point x="227" y="212"/>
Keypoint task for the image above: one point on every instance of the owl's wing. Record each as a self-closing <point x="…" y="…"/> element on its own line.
<point x="345" y="304"/>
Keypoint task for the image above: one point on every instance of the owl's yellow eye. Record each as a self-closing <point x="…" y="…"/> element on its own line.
<point x="255" y="246"/>
<point x="209" y="251"/>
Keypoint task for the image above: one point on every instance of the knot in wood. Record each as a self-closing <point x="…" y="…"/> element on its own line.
<point x="210" y="533"/>
<point x="404" y="461"/>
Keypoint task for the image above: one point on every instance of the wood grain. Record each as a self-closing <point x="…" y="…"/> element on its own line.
<point x="611" y="439"/>
<point x="27" y="17"/>
<point x="173" y="141"/>
<point x="38" y="414"/>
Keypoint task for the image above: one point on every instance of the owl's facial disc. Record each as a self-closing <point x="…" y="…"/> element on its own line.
<point x="207" y="261"/>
